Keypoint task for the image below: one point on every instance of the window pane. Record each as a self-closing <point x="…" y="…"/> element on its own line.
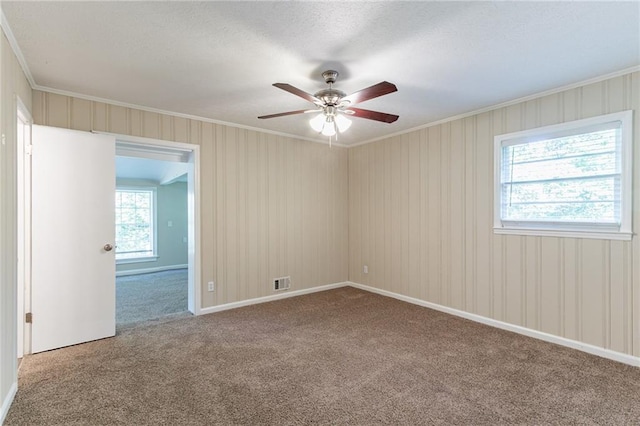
<point x="555" y="168"/>
<point x="572" y="179"/>
<point x="128" y="199"/>
<point x="568" y="179"/>
<point x="142" y="200"/>
<point x="134" y="223"/>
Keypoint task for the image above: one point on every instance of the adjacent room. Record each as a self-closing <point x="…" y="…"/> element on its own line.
<point x="343" y="213"/>
<point x="151" y="239"/>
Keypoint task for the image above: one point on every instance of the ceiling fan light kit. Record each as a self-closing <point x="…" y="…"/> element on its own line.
<point x="333" y="105"/>
<point x="330" y="122"/>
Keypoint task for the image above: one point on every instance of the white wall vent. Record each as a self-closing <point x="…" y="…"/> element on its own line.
<point x="283" y="283"/>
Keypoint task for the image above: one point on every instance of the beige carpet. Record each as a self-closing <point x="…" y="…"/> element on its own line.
<point x="151" y="296"/>
<point x="340" y="357"/>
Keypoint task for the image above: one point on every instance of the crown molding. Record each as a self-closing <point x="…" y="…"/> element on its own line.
<point x="176" y="114"/>
<point x="23" y="64"/>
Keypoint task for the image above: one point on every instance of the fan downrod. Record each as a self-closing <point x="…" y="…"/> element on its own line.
<point x="330" y="96"/>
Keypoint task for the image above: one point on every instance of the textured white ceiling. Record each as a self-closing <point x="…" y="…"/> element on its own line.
<point x="156" y="171"/>
<point x="218" y="59"/>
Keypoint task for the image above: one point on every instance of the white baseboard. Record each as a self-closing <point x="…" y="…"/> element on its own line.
<point x="6" y="404"/>
<point x="279" y="296"/>
<point x="149" y="270"/>
<point x="574" y="344"/>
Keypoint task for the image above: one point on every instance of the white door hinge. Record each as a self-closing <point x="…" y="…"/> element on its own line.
<point x="28" y="149"/>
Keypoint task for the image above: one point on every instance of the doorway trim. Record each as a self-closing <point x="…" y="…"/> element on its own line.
<point x="23" y="225"/>
<point x="154" y="148"/>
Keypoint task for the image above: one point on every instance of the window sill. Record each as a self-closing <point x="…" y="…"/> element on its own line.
<point x="136" y="260"/>
<point x="605" y="235"/>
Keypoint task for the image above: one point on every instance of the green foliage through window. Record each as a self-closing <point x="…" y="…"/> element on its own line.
<point x="568" y="179"/>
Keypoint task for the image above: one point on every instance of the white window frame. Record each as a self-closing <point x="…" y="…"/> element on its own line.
<point x="154" y="224"/>
<point x="575" y="230"/>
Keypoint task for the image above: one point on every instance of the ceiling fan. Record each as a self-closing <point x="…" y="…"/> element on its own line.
<point x="334" y="105"/>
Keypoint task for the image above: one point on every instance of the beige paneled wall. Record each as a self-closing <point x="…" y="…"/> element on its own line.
<point x="13" y="85"/>
<point x="270" y="206"/>
<point x="420" y="217"/>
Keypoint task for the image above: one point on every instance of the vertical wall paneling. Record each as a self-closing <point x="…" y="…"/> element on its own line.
<point x="445" y="214"/>
<point x="166" y="128"/>
<point x="631" y="102"/>
<point x="434" y="213"/>
<point x="81" y="115"/>
<point x="180" y="129"/>
<point x="396" y="214"/>
<point x="135" y="122"/>
<point x="13" y="84"/>
<point x="99" y="120"/>
<point x="414" y="214"/>
<point x="424" y="212"/>
<point x="456" y="216"/>
<point x="58" y="116"/>
<point x="355" y="226"/>
<point x="118" y="118"/>
<point x="470" y="231"/>
<point x="270" y="205"/>
<point x="207" y="210"/>
<point x="403" y="221"/>
<point x="150" y="124"/>
<point x="416" y="209"/>
<point x="548" y="297"/>
<point x="483" y="217"/>
<point x="365" y="214"/>
<point x="426" y="226"/>
<point x="386" y="207"/>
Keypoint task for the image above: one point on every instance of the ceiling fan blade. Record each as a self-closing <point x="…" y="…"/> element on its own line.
<point x="372" y="115"/>
<point x="298" y="92"/>
<point x="282" y="114"/>
<point x="380" y="89"/>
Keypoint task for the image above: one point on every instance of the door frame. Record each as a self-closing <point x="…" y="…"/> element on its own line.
<point x="144" y="144"/>
<point x="160" y="149"/>
<point x="23" y="226"/>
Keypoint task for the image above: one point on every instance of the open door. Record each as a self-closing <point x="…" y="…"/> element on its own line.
<point x="73" y="261"/>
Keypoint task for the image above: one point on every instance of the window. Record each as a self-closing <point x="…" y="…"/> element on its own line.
<point x="135" y="224"/>
<point x="571" y="179"/>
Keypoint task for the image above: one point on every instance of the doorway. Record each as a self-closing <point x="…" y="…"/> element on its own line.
<point x="133" y="146"/>
<point x="151" y="238"/>
<point x="175" y="166"/>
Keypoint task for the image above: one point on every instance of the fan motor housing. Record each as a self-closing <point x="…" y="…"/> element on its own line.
<point x="330" y="96"/>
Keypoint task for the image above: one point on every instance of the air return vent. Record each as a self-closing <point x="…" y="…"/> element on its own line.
<point x="283" y="283"/>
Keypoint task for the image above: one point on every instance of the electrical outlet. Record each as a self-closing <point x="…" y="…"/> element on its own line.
<point x="365" y="269"/>
<point x="211" y="286"/>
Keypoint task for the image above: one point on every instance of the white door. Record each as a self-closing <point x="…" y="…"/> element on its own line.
<point x="73" y="228"/>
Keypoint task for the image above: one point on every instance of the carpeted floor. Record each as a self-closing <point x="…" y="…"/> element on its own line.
<point x="339" y="357"/>
<point x="151" y="296"/>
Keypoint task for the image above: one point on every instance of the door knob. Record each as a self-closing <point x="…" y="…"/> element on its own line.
<point x="108" y="247"/>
